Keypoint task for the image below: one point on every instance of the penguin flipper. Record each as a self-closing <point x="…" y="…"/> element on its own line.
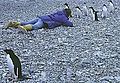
<point x="15" y="72"/>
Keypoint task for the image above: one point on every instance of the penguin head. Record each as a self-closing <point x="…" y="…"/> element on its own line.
<point x="111" y="1"/>
<point x="104" y="5"/>
<point x="77" y="7"/>
<point x="92" y="9"/>
<point x="66" y="5"/>
<point x="8" y="51"/>
<point x="68" y="12"/>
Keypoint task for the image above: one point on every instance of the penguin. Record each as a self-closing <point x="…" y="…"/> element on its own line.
<point x="94" y="14"/>
<point x="14" y="65"/>
<point x="67" y="6"/>
<point x="85" y="9"/>
<point x="104" y="11"/>
<point x="111" y="6"/>
<point x="78" y="11"/>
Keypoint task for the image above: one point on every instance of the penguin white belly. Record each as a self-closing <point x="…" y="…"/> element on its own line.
<point x="78" y="13"/>
<point x="10" y="66"/>
<point x="104" y="12"/>
<point x="93" y="15"/>
<point x="111" y="7"/>
<point x="66" y="7"/>
<point x="85" y="10"/>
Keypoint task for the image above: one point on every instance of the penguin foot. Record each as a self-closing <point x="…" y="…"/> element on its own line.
<point x="10" y="78"/>
<point x="25" y="77"/>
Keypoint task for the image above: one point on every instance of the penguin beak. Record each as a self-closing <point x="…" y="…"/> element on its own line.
<point x="5" y="51"/>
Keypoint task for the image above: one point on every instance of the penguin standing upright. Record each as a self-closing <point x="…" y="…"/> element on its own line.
<point x="78" y="11"/>
<point x="85" y="10"/>
<point x="104" y="11"/>
<point x="14" y="64"/>
<point x="111" y="6"/>
<point x="94" y="14"/>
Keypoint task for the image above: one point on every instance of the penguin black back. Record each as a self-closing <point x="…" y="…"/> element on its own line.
<point x="94" y="12"/>
<point x="96" y="16"/>
<point x="16" y="63"/>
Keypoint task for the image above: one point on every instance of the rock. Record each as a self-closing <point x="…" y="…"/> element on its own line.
<point x="69" y="73"/>
<point x="117" y="78"/>
<point x="60" y="40"/>
<point x="0" y="67"/>
<point x="90" y="81"/>
<point x="100" y="54"/>
<point x="78" y="73"/>
<point x="4" y="75"/>
<point x="74" y="59"/>
<point x="43" y="76"/>
<point x="107" y="79"/>
<point x="113" y="55"/>
<point x="86" y="63"/>
<point x="1" y="25"/>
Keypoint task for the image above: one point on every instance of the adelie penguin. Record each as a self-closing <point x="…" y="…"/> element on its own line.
<point x="94" y="14"/>
<point x="104" y="11"/>
<point x="111" y="6"/>
<point x="14" y="65"/>
<point x="78" y="11"/>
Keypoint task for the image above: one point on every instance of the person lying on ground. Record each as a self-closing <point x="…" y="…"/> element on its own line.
<point x="49" y="21"/>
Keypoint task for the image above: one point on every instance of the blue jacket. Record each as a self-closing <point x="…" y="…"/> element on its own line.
<point x="57" y="19"/>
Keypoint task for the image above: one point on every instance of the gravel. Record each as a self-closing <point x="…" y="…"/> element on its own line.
<point x="86" y="53"/>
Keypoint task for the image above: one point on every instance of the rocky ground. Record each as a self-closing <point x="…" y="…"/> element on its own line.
<point x="86" y="53"/>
